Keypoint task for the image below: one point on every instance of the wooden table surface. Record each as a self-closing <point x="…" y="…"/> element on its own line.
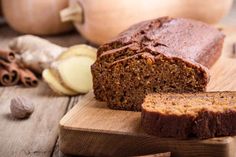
<point x="38" y="135"/>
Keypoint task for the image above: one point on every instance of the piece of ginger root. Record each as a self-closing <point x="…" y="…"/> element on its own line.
<point x="70" y="73"/>
<point x="79" y="50"/>
<point x="55" y="84"/>
<point x="75" y="73"/>
<point x="35" y="53"/>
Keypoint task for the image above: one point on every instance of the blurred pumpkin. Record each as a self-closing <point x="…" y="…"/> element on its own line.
<point x="39" y="17"/>
<point x="101" y="20"/>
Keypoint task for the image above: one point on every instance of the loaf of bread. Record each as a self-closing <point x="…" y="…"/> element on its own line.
<point x="200" y="115"/>
<point x="161" y="55"/>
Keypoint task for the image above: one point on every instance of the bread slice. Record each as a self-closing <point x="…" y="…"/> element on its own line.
<point x="200" y="115"/>
<point x="160" y="55"/>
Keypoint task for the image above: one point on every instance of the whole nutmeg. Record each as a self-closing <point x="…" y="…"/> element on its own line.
<point x="21" y="107"/>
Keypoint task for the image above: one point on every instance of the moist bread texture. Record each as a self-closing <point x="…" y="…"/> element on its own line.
<point x="161" y="55"/>
<point x="199" y="115"/>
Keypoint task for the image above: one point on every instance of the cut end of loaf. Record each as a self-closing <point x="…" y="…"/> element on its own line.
<point x="135" y="76"/>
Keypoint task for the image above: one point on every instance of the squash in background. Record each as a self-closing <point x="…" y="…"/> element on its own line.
<point x="101" y="20"/>
<point x="39" y="17"/>
<point x="209" y="11"/>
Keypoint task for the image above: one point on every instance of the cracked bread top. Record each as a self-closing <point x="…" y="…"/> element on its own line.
<point x="177" y="37"/>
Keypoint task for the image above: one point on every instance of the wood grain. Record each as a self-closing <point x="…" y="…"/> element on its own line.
<point x="56" y="151"/>
<point x="34" y="136"/>
<point x="90" y="128"/>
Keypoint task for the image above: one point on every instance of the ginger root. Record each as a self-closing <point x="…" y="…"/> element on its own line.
<point x="55" y="84"/>
<point x="66" y="70"/>
<point x="70" y="74"/>
<point x="74" y="73"/>
<point x="79" y="50"/>
<point x="35" y="53"/>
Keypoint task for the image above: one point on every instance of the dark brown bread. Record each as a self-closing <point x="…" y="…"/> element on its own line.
<point x="161" y="55"/>
<point x="201" y="115"/>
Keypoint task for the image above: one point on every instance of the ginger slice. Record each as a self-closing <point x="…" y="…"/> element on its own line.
<point x="79" y="50"/>
<point x="75" y="73"/>
<point x="55" y="84"/>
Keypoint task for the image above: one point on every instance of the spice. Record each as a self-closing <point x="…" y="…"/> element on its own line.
<point x="21" y="107"/>
<point x="28" y="78"/>
<point x="9" y="73"/>
<point x="12" y="72"/>
<point x="8" y="56"/>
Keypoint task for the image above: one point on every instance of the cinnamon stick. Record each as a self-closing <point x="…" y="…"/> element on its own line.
<point x="8" y="56"/>
<point x="13" y="76"/>
<point x="12" y="71"/>
<point x="5" y="78"/>
<point x="28" y="78"/>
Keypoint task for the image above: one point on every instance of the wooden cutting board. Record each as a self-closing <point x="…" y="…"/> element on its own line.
<point x="92" y="129"/>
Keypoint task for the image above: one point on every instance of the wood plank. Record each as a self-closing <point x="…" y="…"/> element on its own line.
<point x="56" y="152"/>
<point x="37" y="135"/>
<point x="90" y="128"/>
